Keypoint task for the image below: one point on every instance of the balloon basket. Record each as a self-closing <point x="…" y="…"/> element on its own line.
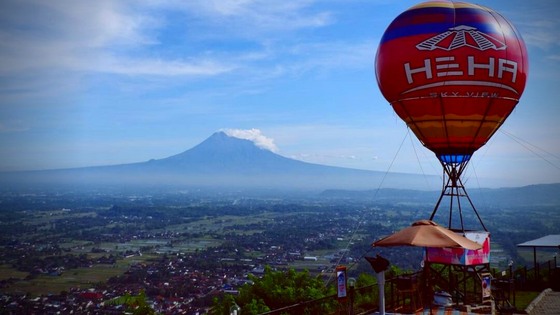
<point x="461" y="256"/>
<point x="461" y="273"/>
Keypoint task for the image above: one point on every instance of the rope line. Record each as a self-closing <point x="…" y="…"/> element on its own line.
<point x="529" y="146"/>
<point x="526" y="144"/>
<point x="361" y="219"/>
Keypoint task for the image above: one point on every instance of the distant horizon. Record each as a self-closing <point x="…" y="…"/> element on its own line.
<point x="263" y="143"/>
<point x="252" y="135"/>
<point x="111" y="83"/>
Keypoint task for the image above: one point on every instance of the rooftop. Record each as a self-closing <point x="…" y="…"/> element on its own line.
<point x="552" y="240"/>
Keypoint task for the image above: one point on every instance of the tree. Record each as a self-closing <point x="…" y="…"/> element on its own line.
<point x="276" y="289"/>
<point x="136" y="304"/>
<point x="366" y="300"/>
<point x="223" y="306"/>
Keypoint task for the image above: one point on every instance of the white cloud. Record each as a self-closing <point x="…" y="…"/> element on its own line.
<point x="111" y="37"/>
<point x="538" y="26"/>
<point x="98" y="36"/>
<point x="161" y="67"/>
<point x="332" y="55"/>
<point x="254" y="135"/>
<point x="259" y="16"/>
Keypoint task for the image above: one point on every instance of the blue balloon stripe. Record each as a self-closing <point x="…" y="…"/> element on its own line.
<point x="435" y="20"/>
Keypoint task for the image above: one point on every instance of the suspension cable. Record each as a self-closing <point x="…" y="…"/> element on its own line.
<point x="360" y="220"/>
<point x="418" y="158"/>
<point x="532" y="148"/>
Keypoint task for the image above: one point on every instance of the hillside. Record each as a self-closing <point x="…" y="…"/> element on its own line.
<point x="220" y="162"/>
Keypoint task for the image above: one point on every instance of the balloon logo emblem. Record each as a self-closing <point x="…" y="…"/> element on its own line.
<point x="453" y="72"/>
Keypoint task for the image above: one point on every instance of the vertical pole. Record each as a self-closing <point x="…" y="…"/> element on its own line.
<point x="424" y="291"/>
<point x="451" y="206"/>
<point x="351" y="300"/>
<point x="453" y="188"/>
<point x="512" y="281"/>
<point x="351" y="292"/>
<point x="453" y="178"/>
<point x="465" y="285"/>
<point x="381" y="285"/>
<point x="535" y="266"/>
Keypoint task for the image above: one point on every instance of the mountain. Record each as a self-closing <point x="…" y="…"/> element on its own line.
<point x="224" y="162"/>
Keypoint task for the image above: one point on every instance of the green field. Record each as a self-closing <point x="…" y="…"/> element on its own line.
<point x="524" y="298"/>
<point x="7" y="272"/>
<point x="74" y="278"/>
<point x="207" y="227"/>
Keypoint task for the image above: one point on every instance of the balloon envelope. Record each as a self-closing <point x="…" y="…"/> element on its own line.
<point x="453" y="72"/>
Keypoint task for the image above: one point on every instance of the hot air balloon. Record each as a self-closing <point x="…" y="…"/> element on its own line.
<point x="453" y="72"/>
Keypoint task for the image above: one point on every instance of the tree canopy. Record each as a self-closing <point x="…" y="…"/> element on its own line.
<point x="275" y="289"/>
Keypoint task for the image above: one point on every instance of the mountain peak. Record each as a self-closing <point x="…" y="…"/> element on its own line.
<point x="222" y="152"/>
<point x="217" y="138"/>
<point x="254" y="135"/>
<point x="228" y="159"/>
<point x="222" y="142"/>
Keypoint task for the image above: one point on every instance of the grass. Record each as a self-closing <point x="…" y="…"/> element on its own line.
<point x="72" y="278"/>
<point x="524" y="298"/>
<point x="81" y="277"/>
<point x="7" y="272"/>
<point x="88" y="277"/>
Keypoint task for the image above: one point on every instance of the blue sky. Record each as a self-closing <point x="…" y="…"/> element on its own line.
<point x="86" y="83"/>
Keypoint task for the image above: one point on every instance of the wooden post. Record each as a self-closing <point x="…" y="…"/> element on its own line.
<point x="535" y="265"/>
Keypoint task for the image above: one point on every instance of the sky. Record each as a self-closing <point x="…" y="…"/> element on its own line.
<point x="85" y="83"/>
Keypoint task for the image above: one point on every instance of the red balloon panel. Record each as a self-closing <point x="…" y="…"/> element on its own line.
<point x="453" y="72"/>
<point x="453" y="126"/>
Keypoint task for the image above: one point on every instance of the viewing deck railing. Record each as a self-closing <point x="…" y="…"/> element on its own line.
<point x="539" y="277"/>
<point x="365" y="300"/>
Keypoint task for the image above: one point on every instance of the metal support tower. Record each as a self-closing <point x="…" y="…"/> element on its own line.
<point x="454" y="189"/>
